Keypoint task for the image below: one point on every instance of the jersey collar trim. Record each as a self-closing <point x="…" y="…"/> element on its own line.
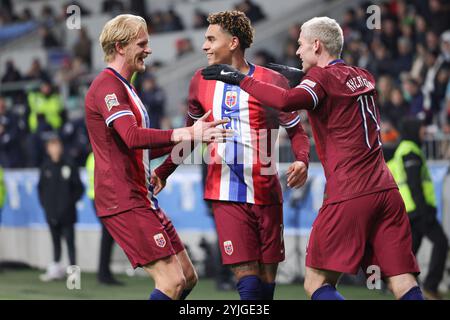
<point x="118" y="75"/>
<point x="336" y="61"/>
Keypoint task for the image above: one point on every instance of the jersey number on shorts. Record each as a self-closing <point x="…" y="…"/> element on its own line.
<point x="368" y="112"/>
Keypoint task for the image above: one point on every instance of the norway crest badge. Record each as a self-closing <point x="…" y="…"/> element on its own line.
<point x="228" y="247"/>
<point x="231" y="99"/>
<point x="160" y="240"/>
<point x="111" y="101"/>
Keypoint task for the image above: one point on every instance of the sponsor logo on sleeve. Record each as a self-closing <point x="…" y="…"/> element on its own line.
<point x="309" y="83"/>
<point x="111" y="101"/>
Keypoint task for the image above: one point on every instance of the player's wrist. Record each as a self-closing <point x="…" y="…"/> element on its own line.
<point x="182" y="134"/>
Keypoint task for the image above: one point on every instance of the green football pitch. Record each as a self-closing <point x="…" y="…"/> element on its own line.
<point x="26" y="285"/>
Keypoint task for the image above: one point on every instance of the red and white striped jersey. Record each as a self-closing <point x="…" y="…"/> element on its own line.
<point x="239" y="171"/>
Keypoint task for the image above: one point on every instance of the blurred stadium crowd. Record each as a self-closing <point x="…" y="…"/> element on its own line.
<point x="409" y="56"/>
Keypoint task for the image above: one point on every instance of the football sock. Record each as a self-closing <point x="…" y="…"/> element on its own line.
<point x="158" y="295"/>
<point x="413" y="294"/>
<point x="268" y="290"/>
<point x="327" y="292"/>
<point x="250" y="288"/>
<point x="185" y="293"/>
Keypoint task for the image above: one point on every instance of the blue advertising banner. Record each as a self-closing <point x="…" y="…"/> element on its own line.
<point x="182" y="200"/>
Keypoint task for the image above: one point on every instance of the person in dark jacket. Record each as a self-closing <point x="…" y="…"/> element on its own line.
<point x="59" y="189"/>
<point x="412" y="175"/>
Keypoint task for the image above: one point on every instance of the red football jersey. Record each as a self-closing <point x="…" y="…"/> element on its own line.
<point x="346" y="129"/>
<point x="238" y="171"/>
<point x="122" y="175"/>
<point x="344" y="117"/>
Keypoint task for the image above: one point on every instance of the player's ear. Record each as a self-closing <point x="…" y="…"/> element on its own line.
<point x="316" y="46"/>
<point x="120" y="48"/>
<point x="234" y="43"/>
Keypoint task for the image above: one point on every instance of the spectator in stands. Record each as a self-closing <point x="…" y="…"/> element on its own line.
<point x="263" y="57"/>
<point x="10" y="149"/>
<point x="26" y="15"/>
<point x="382" y="62"/>
<point x="384" y="88"/>
<point x="171" y="21"/>
<point x="404" y="60"/>
<point x="290" y="46"/>
<point x="289" y="55"/>
<point x="421" y="28"/>
<point x="396" y="108"/>
<point x="432" y="41"/>
<point x="47" y="16"/>
<point x="251" y="10"/>
<point x="183" y="46"/>
<point x="113" y="7"/>
<point x="36" y="72"/>
<point x="48" y="38"/>
<point x="433" y="65"/>
<point x="418" y="68"/>
<point x="200" y="19"/>
<point x="83" y="47"/>
<point x="438" y="16"/>
<point x="59" y="189"/>
<point x="45" y="108"/>
<point x="154" y="99"/>
<point x="11" y="73"/>
<point x="389" y="36"/>
<point x="440" y="90"/>
<point x="414" y="98"/>
<point x="6" y="12"/>
<point x="139" y="8"/>
<point x="68" y="76"/>
<point x="75" y="139"/>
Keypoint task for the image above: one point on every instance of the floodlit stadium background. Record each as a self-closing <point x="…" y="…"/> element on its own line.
<point x="50" y="41"/>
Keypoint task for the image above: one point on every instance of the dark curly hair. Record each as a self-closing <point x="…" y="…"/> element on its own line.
<point x="235" y="23"/>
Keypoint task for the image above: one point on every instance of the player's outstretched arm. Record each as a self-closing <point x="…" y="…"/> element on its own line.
<point x="204" y="131"/>
<point x="293" y="75"/>
<point x="269" y="94"/>
<point x="144" y="138"/>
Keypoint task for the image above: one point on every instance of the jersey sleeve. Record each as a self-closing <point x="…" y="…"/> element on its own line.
<point x="314" y="83"/>
<point x="195" y="109"/>
<point x="283" y="99"/>
<point x="111" y="100"/>
<point x="286" y="119"/>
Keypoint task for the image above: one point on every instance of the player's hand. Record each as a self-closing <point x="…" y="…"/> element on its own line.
<point x="223" y="72"/>
<point x="293" y="75"/>
<point x="157" y="183"/>
<point x="207" y="131"/>
<point x="297" y="173"/>
<point x="204" y="131"/>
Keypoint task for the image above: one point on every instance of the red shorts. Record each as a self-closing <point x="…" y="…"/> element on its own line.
<point x="249" y="232"/>
<point x="144" y="234"/>
<point x="369" y="230"/>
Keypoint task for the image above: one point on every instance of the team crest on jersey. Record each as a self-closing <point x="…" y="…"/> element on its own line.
<point x="228" y="246"/>
<point x="159" y="239"/>
<point x="111" y="101"/>
<point x="230" y="99"/>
